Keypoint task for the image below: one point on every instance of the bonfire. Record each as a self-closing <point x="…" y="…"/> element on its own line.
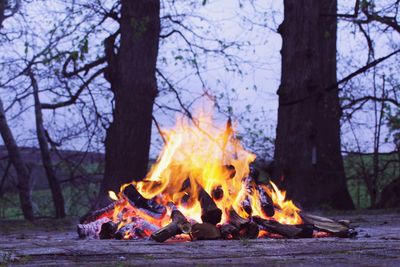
<point x="204" y="186"/>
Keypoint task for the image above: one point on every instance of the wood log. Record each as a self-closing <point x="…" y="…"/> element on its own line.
<point x="137" y="228"/>
<point x="254" y="173"/>
<point x="246" y="228"/>
<point x="125" y="231"/>
<point x="104" y="212"/>
<point x="151" y="207"/>
<point x="337" y="228"/>
<point x="286" y="230"/>
<point x="108" y="230"/>
<point x="246" y="202"/>
<point x="91" y="229"/>
<point x="210" y="213"/>
<point x="267" y="206"/>
<point x="205" y="231"/>
<point x="229" y="231"/>
<point x="178" y="225"/>
<point x="235" y="219"/>
<point x="249" y="230"/>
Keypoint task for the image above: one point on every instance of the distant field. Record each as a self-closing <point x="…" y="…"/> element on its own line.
<point x="355" y="179"/>
<point x="77" y="202"/>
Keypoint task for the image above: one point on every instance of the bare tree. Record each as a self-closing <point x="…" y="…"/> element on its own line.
<point x="19" y="165"/>
<point x="58" y="199"/>
<point x="9" y="140"/>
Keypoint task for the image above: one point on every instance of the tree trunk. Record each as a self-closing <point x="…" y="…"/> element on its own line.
<point x="2" y="10"/>
<point x="19" y="166"/>
<point x="131" y="73"/>
<point x="56" y="193"/>
<point x="308" y="161"/>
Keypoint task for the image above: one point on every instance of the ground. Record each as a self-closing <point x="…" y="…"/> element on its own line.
<point x="52" y="242"/>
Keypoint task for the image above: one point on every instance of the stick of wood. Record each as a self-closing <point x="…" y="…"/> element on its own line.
<point x="125" y="230"/>
<point x="337" y="228"/>
<point x="229" y="231"/>
<point x="104" y="212"/>
<point x="108" y="230"/>
<point x="267" y="206"/>
<point x="149" y="206"/>
<point x="246" y="202"/>
<point x="205" y="231"/>
<point x="286" y="230"/>
<point x="210" y="213"/>
<point x="138" y="228"/>
<point x="91" y="229"/>
<point x="178" y="225"/>
<point x="246" y="228"/>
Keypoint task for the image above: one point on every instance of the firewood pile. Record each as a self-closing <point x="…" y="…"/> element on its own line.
<point x="126" y="219"/>
<point x="204" y="186"/>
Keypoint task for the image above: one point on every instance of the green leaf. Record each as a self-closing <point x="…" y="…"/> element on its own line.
<point x="74" y="55"/>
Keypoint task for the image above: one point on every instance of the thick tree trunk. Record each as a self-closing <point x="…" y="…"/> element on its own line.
<point x="56" y="193"/>
<point x="19" y="166"/>
<point x="131" y="73"/>
<point x="307" y="153"/>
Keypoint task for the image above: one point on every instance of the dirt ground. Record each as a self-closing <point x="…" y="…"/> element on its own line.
<point x="53" y="242"/>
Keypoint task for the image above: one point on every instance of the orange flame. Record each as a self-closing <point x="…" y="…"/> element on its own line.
<point x="202" y="155"/>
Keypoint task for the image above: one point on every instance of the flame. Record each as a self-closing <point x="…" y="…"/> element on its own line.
<point x="201" y="155"/>
<point x="112" y="195"/>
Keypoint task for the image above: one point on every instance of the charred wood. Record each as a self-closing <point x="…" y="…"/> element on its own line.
<point x="229" y="231"/>
<point x="254" y="173"/>
<point x="205" y="231"/>
<point x="91" y="229"/>
<point x="210" y="213"/>
<point x="108" y="230"/>
<point x="249" y="230"/>
<point x="338" y="228"/>
<point x="137" y="228"/>
<point x="178" y="225"/>
<point x="245" y="228"/>
<point x="248" y="184"/>
<point x="125" y="230"/>
<point x="104" y="212"/>
<point x="235" y="219"/>
<point x="136" y="199"/>
<point x="286" y="230"/>
<point x="267" y="206"/>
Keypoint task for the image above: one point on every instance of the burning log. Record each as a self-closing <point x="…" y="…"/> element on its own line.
<point x="210" y="213"/>
<point x="286" y="230"/>
<point x="246" y="228"/>
<point x="205" y="231"/>
<point x="137" y="228"/>
<point x="149" y="206"/>
<point x="254" y="173"/>
<point x="337" y="228"/>
<point x="249" y="230"/>
<point x="246" y="202"/>
<point x="179" y="225"/>
<point x="125" y="230"/>
<point x="104" y="212"/>
<point x="108" y="230"/>
<point x="228" y="231"/>
<point x="91" y="229"/>
<point x="267" y="206"/>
